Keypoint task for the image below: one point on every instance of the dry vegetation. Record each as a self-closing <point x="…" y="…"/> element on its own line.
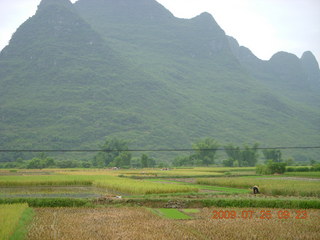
<point x="140" y="223"/>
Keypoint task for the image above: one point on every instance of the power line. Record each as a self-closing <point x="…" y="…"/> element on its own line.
<point x="147" y="150"/>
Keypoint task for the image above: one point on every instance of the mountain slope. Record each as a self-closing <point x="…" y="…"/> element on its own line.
<point x="74" y="74"/>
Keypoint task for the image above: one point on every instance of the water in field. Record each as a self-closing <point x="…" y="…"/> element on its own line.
<point x="52" y="192"/>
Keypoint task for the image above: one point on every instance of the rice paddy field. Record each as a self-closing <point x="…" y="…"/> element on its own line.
<point x="186" y="203"/>
<point x="12" y="220"/>
<point x="141" y="223"/>
<point x="270" y="185"/>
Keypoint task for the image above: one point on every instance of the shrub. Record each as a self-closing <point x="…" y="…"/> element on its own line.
<point x="276" y="167"/>
<point x="263" y="169"/>
<point x="271" y="168"/>
<point x="315" y="168"/>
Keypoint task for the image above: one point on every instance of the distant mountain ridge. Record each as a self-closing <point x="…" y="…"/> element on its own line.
<point x="74" y="74"/>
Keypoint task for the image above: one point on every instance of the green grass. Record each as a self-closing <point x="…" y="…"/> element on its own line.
<point x="47" y="202"/>
<point x="9" y="220"/>
<point x="171" y="213"/>
<point x="21" y="229"/>
<point x="190" y="210"/>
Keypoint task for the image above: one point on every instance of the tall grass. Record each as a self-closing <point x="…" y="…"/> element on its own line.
<point x="10" y="215"/>
<point x="131" y="186"/>
<point x="49" y="180"/>
<point x="271" y="186"/>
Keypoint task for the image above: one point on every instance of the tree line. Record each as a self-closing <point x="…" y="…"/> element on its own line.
<point x="115" y="153"/>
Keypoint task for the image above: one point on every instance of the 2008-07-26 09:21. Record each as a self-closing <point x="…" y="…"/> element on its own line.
<point x="262" y="214"/>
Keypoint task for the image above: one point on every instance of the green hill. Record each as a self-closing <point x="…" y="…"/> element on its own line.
<point x="74" y="74"/>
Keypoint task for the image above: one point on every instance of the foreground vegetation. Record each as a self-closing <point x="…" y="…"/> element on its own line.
<point x="140" y="223"/>
<point x="13" y="219"/>
<point x="194" y="193"/>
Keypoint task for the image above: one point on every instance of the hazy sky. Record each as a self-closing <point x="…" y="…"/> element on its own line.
<point x="264" y="26"/>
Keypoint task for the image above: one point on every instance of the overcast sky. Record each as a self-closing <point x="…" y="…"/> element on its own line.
<point x="264" y="26"/>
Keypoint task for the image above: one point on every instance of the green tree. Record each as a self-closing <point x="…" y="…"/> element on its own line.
<point x="110" y="150"/>
<point x="182" y="161"/>
<point x="228" y="162"/>
<point x="248" y="156"/>
<point x="205" y="151"/>
<point x="233" y="152"/>
<point x="136" y="162"/>
<point x="271" y="168"/>
<point x="35" y="163"/>
<point x="147" y="162"/>
<point x="123" y="160"/>
<point x="277" y="167"/>
<point x="49" y="162"/>
<point x="68" y="164"/>
<point x="272" y="154"/>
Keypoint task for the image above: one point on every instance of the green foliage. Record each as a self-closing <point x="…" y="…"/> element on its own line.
<point x="205" y="151"/>
<point x="228" y="162"/>
<point x="41" y="162"/>
<point x="147" y="162"/>
<point x="68" y="164"/>
<point x="248" y="156"/>
<point x="182" y="161"/>
<point x="271" y="168"/>
<point x="315" y="167"/>
<point x="112" y="154"/>
<point x="123" y="160"/>
<point x="263" y="169"/>
<point x="277" y="167"/>
<point x="272" y="154"/>
<point x="47" y="202"/>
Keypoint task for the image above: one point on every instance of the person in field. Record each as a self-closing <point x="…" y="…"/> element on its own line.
<point x="255" y="190"/>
